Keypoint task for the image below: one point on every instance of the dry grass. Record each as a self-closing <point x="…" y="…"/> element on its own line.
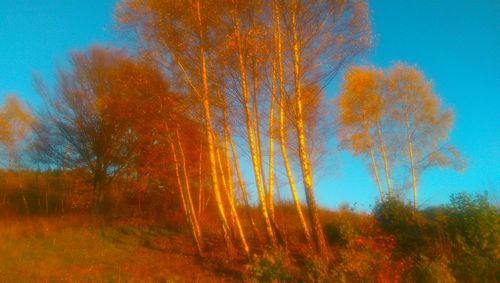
<point x="81" y="249"/>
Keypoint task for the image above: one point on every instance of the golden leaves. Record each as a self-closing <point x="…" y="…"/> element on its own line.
<point x="15" y="119"/>
<point x="361" y="100"/>
<point x="399" y="106"/>
<point x="15" y="124"/>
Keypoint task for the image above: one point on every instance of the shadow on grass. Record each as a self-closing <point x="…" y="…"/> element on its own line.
<point x="149" y="237"/>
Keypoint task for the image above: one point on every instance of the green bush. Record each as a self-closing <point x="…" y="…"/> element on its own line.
<point x="316" y="269"/>
<point x="429" y="271"/>
<point x="343" y="227"/>
<point x="476" y="268"/>
<point x="462" y="239"/>
<point x="416" y="235"/>
<point x="474" y="226"/>
<point x="272" y="266"/>
<point x="339" y="232"/>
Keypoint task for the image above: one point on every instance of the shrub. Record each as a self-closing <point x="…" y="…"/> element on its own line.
<point x="462" y="239"/>
<point x="363" y="252"/>
<point x="316" y="269"/>
<point x="416" y="235"/>
<point x="474" y="225"/>
<point x="476" y="268"/>
<point x="340" y="232"/>
<point x="272" y="266"/>
<point x="429" y="271"/>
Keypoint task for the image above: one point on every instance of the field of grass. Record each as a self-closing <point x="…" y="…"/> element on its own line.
<point x="454" y="243"/>
<point x="75" y="249"/>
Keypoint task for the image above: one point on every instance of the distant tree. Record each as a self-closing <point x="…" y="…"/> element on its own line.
<point x="15" y="125"/>
<point x="422" y="125"/>
<point x="360" y="110"/>
<point x="81" y="115"/>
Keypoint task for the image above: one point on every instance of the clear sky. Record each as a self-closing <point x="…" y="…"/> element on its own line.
<point x="455" y="43"/>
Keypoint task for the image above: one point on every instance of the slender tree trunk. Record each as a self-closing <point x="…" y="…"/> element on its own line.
<point x="375" y="172"/>
<point x="95" y="194"/>
<point x="271" y="145"/>
<point x="281" y="106"/>
<point x="229" y="171"/>
<point x="224" y="181"/>
<point x="210" y="141"/>
<point x="67" y="155"/>
<point x="228" y="141"/>
<point x="413" y="171"/>
<point x="270" y="187"/>
<point x="179" y="183"/>
<point x="25" y="202"/>
<point x="386" y="161"/>
<point x="251" y="138"/>
<point x="244" y="193"/>
<point x="318" y="235"/>
<point x="200" y="186"/>
<point x="256" y="123"/>
<point x="189" y="200"/>
<point x="185" y="205"/>
<point x="230" y="198"/>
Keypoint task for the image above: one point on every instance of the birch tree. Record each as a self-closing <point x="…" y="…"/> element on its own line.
<point x="322" y="36"/>
<point x="242" y="28"/>
<point x="180" y="35"/>
<point x="360" y="110"/>
<point x="422" y="122"/>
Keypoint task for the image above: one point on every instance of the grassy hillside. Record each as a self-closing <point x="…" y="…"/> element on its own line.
<point x="458" y="242"/>
<point x="77" y="249"/>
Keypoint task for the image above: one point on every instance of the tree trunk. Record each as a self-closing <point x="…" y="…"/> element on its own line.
<point x="377" y="177"/>
<point x="413" y="171"/>
<point x="256" y="124"/>
<point x="289" y="173"/>
<point x="235" y="220"/>
<point x="251" y="138"/>
<point x="210" y="141"/>
<point x="271" y="145"/>
<point x="98" y="188"/>
<point x="200" y="187"/>
<point x="25" y="202"/>
<point x="189" y="200"/>
<point x="318" y="235"/>
<point x="386" y="161"/>
<point x="187" y="210"/>
<point x="270" y="191"/>
<point x="244" y="193"/>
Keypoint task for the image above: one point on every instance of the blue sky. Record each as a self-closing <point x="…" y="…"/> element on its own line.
<point x="455" y="43"/>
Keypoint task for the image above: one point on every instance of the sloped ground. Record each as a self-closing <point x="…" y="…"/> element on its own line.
<point x="79" y="250"/>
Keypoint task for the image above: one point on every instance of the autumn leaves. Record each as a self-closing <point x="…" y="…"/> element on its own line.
<point x="395" y="120"/>
<point x="15" y="123"/>
<point x="252" y="65"/>
<point x="212" y="81"/>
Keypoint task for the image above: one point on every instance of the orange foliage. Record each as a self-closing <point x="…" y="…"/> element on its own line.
<point x="360" y="108"/>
